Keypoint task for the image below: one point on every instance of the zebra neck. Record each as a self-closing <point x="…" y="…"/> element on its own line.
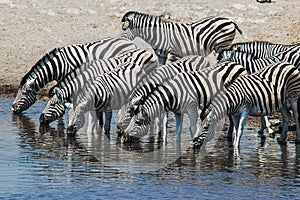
<point x="155" y="32"/>
<point x="46" y="70"/>
<point x="223" y="105"/>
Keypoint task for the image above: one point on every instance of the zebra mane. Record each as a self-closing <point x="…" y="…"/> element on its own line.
<point x="49" y="55"/>
<point x="140" y="15"/>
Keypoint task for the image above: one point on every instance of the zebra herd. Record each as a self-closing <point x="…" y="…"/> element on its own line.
<point x="251" y="78"/>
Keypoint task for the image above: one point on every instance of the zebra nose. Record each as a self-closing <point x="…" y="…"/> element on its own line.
<point x="14" y="108"/>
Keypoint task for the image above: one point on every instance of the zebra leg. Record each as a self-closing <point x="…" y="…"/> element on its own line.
<point x="265" y="123"/>
<point x="158" y="125"/>
<point x="296" y="118"/>
<point x="193" y="116"/>
<point x="285" y="124"/>
<point x="230" y="128"/>
<point x="92" y="122"/>
<point x="108" y="117"/>
<point x="100" y="118"/>
<point x="239" y="131"/>
<point x="179" y="118"/>
<point x="165" y="127"/>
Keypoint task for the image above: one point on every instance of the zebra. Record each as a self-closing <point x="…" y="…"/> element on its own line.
<point x="59" y="62"/>
<point x="110" y="89"/>
<point x="260" y="49"/>
<point x="61" y="93"/>
<point x="271" y="89"/>
<point x="171" y="40"/>
<point x="252" y="63"/>
<point x="185" y="93"/>
<point x="291" y="55"/>
<point x="188" y="63"/>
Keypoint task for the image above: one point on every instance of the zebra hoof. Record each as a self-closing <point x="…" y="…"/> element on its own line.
<point x="281" y="142"/>
<point x="272" y="135"/>
<point x="71" y="130"/>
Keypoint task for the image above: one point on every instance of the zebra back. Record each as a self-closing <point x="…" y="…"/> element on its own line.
<point x="180" y="39"/>
<point x="188" y="63"/>
<point x="260" y="49"/>
<point x="251" y="63"/>
<point x="60" y="61"/>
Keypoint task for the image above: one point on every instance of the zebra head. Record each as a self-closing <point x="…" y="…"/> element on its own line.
<point x="128" y="28"/>
<point x="76" y="120"/>
<point x="55" y="107"/>
<point x="26" y="96"/>
<point x="127" y="112"/>
<point x="138" y="126"/>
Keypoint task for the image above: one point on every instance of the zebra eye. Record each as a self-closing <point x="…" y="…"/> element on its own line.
<point x="140" y="122"/>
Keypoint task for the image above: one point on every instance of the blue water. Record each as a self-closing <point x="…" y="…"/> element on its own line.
<point x="43" y="163"/>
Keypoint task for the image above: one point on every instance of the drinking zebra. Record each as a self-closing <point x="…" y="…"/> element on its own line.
<point x="62" y="92"/>
<point x="185" y="93"/>
<point x="59" y="62"/>
<point x="188" y="63"/>
<point x="291" y="55"/>
<point x="111" y="89"/>
<point x="171" y="40"/>
<point x="274" y="88"/>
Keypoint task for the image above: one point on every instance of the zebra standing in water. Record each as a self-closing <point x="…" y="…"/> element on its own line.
<point x="260" y="49"/>
<point x="61" y="94"/>
<point x="59" y="62"/>
<point x="185" y="93"/>
<point x="171" y="40"/>
<point x="291" y="55"/>
<point x="188" y="63"/>
<point x="271" y="89"/>
<point x="110" y="89"/>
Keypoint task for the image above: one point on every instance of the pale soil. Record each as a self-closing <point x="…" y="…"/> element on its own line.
<point x="31" y="28"/>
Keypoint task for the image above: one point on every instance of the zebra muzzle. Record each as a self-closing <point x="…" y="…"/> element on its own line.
<point x="44" y="119"/>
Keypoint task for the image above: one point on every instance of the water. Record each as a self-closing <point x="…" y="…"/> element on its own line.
<point x="43" y="163"/>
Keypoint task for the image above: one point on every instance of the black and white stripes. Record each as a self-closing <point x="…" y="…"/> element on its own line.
<point x="271" y="89"/>
<point x="175" y="40"/>
<point x="59" y="62"/>
<point x="185" y="93"/>
<point x="62" y="92"/>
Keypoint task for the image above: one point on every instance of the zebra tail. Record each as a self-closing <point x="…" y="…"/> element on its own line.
<point x="245" y="37"/>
